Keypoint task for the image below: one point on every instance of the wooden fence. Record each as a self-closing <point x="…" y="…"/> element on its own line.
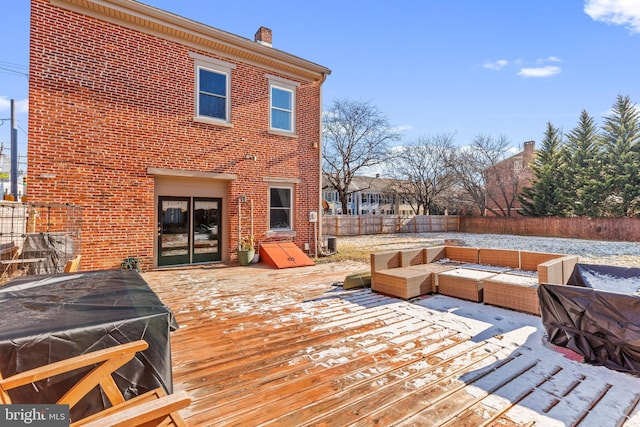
<point x="355" y="225"/>
<point x="612" y="229"/>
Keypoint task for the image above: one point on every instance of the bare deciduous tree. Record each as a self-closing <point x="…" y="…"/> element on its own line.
<point x="423" y="172"/>
<point x="356" y="136"/>
<point x="470" y="166"/>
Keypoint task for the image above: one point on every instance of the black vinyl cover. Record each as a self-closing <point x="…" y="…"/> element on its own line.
<point x="602" y="326"/>
<point x="53" y="317"/>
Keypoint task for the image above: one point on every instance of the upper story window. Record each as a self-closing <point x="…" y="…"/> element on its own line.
<point x="212" y="94"/>
<point x="281" y="109"/>
<point x="212" y="90"/>
<point x="282" y="102"/>
<point x="517" y="165"/>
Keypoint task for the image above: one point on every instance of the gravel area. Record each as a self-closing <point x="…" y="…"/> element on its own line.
<point x="590" y="251"/>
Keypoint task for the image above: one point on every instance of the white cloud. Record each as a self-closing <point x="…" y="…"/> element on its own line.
<point x="548" y="59"/>
<point x="495" y="65"/>
<point x="403" y="128"/>
<point x="547" y="71"/>
<point x="22" y="105"/>
<point x="616" y="12"/>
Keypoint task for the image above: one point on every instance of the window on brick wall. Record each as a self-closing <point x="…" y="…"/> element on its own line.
<point x="282" y="102"/>
<point x="212" y="90"/>
<point x="280" y="208"/>
<point x="212" y="94"/>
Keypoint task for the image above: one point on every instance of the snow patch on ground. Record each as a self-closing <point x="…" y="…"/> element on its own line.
<point x="590" y="251"/>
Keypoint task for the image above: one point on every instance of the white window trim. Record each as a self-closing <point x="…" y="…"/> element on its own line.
<point x="216" y="66"/>
<point x="291" y="188"/>
<point x="289" y="86"/>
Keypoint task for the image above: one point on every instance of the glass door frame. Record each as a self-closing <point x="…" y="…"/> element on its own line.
<point x="197" y="258"/>
<point x="194" y="254"/>
<point x="179" y="258"/>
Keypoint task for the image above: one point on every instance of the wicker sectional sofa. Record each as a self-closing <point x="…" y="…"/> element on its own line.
<point x="501" y="277"/>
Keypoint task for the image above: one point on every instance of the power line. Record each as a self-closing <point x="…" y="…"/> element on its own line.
<point x="14" y="69"/>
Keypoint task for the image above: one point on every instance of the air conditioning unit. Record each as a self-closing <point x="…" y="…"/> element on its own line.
<point x="331" y="243"/>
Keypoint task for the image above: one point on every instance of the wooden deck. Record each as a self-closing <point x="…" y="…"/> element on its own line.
<point x="258" y="346"/>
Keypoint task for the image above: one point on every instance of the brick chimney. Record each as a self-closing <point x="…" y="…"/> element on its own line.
<point x="529" y="146"/>
<point x="263" y="36"/>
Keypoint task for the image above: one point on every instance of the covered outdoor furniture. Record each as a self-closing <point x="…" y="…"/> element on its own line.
<point x="49" y="318"/>
<point x="99" y="366"/>
<point x="594" y="317"/>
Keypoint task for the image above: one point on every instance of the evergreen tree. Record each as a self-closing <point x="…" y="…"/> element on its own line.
<point x="546" y="196"/>
<point x="584" y="175"/>
<point x="621" y="135"/>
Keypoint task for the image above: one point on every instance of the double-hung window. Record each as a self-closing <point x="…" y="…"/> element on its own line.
<point x="280" y="208"/>
<point x="212" y="94"/>
<point x="212" y="90"/>
<point x="282" y="102"/>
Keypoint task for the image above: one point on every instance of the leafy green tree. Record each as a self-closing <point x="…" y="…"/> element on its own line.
<point x="584" y="174"/>
<point x="546" y="196"/>
<point x="621" y="133"/>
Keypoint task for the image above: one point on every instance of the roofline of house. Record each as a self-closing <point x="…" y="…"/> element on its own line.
<point x="151" y="20"/>
<point x="518" y="154"/>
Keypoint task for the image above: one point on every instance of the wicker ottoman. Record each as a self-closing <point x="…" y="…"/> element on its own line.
<point x="512" y="291"/>
<point x="463" y="283"/>
<point x="432" y="268"/>
<point x="403" y="282"/>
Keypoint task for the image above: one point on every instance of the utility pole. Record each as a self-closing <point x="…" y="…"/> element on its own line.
<point x="14" y="151"/>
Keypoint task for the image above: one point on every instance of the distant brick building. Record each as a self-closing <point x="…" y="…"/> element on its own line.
<point x="169" y="133"/>
<point x="505" y="181"/>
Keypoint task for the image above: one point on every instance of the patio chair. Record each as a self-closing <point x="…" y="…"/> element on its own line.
<point x="150" y="409"/>
<point x="72" y="265"/>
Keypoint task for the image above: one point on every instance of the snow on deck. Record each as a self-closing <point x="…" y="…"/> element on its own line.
<point x="291" y="347"/>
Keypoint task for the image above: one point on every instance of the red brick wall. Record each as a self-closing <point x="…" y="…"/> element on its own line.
<point x="504" y="178"/>
<point x="108" y="102"/>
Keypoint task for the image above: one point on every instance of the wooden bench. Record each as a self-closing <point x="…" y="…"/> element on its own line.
<point x="152" y="408"/>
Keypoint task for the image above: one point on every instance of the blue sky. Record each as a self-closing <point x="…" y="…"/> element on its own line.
<point x="432" y="66"/>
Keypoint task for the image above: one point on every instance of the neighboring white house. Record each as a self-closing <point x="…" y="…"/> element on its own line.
<point x="367" y="196"/>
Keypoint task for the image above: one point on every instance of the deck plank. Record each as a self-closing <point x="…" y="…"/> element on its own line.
<point x="290" y="347"/>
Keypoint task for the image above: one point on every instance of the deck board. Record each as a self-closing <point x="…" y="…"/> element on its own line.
<point x="258" y="346"/>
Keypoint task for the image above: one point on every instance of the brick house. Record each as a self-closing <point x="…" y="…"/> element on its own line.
<point x="174" y="137"/>
<point x="505" y="180"/>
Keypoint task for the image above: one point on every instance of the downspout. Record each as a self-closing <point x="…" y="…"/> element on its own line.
<point x="320" y="210"/>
